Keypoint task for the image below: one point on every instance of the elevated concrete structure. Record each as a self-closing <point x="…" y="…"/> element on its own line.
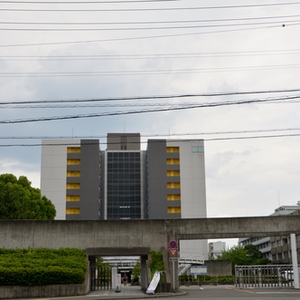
<point x="138" y="237"/>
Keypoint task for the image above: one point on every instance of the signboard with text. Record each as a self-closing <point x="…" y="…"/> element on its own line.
<point x="198" y="270"/>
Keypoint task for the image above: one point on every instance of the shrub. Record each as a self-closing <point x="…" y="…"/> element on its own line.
<point x="28" y="267"/>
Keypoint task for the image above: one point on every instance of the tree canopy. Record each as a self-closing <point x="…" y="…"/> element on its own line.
<point x="19" y="200"/>
<point x="248" y="255"/>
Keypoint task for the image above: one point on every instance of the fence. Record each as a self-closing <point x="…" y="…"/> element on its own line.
<point x="101" y="278"/>
<point x="264" y="276"/>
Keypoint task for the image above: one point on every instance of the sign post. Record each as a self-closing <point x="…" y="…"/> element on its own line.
<point x="173" y="251"/>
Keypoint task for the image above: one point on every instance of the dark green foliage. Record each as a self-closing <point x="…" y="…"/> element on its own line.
<point x="18" y="200"/>
<point x="28" y="267"/>
<point x="205" y="279"/>
<point x="248" y="255"/>
<point x="156" y="262"/>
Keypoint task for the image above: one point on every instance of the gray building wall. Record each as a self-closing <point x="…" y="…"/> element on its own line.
<point x="156" y="180"/>
<point x="89" y="193"/>
<point x="123" y="141"/>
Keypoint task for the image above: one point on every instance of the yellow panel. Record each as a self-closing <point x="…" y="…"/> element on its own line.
<point x="73" y="186"/>
<point x="173" y="161"/>
<point x="73" y="198"/>
<point x="72" y="211"/>
<point x="171" y="173"/>
<point x="73" y="161"/>
<point x="174" y="210"/>
<point x="173" y="197"/>
<point x="73" y="173"/>
<point x="172" y="149"/>
<point x="73" y="150"/>
<point x="173" y="185"/>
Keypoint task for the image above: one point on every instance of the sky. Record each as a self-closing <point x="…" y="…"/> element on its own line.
<point x="227" y="73"/>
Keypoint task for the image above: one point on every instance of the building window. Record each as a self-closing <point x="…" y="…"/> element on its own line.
<point x="73" y="161"/>
<point x="171" y="173"/>
<point x="73" y="211"/>
<point x="173" y="185"/>
<point x="73" y="173"/>
<point x="73" y="186"/>
<point x="73" y="198"/>
<point x="172" y="150"/>
<point x="73" y="150"/>
<point x="173" y="197"/>
<point x="173" y="161"/>
<point x="174" y="210"/>
<point x="197" y="149"/>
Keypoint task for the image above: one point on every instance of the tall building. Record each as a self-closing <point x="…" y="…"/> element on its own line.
<point x="165" y="181"/>
<point x="276" y="249"/>
<point x="70" y="174"/>
<point x="123" y="175"/>
<point x="216" y="249"/>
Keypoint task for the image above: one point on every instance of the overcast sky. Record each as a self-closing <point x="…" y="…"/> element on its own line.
<point x="210" y="50"/>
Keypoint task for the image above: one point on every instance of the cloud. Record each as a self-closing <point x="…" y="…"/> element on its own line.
<point x="243" y="176"/>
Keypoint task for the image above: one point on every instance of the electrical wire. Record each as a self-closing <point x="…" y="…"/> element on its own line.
<point x="286" y="23"/>
<point x="130" y="112"/>
<point x="153" y="135"/>
<point x="174" y="140"/>
<point x="145" y="72"/>
<point x="152" y="9"/>
<point x="152" y="22"/>
<point x="138" y="56"/>
<point x="144" y="37"/>
<point x="155" y="97"/>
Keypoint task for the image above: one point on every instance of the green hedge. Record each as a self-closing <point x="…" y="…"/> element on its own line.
<point x="28" y="267"/>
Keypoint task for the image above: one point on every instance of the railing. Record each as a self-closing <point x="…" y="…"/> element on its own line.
<point x="264" y="276"/>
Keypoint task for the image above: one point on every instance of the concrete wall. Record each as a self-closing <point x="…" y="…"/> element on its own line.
<point x="137" y="233"/>
<point x="218" y="267"/>
<point x="12" y="292"/>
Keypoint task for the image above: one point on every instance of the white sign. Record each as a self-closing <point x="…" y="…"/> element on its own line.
<point x="118" y="281"/>
<point x="153" y="284"/>
<point x="198" y="270"/>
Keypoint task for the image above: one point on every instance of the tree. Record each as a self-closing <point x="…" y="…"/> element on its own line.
<point x="248" y="255"/>
<point x="19" y="200"/>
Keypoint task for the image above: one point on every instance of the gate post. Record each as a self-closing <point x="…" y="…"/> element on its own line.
<point x="295" y="261"/>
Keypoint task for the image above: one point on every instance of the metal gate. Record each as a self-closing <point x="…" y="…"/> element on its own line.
<point x="101" y="278"/>
<point x="264" y="276"/>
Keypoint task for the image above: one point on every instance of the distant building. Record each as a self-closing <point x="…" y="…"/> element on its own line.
<point x="276" y="249"/>
<point x="165" y="181"/>
<point x="215" y="249"/>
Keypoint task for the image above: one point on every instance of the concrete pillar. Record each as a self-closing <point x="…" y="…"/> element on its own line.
<point x="144" y="272"/>
<point x="295" y="261"/>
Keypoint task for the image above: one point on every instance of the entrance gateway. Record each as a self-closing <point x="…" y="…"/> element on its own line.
<point x="138" y="237"/>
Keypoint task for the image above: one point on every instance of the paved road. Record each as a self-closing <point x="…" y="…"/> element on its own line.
<point x="193" y="292"/>
<point x="230" y="292"/>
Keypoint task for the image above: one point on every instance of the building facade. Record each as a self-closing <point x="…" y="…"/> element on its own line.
<point x="216" y="249"/>
<point x="276" y="249"/>
<point x="165" y="181"/>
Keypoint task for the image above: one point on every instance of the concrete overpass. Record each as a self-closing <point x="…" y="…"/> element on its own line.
<point x="138" y="237"/>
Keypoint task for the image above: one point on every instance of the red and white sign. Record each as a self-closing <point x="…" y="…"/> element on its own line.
<point x="173" y="252"/>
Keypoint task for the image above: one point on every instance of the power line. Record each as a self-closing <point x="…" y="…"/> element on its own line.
<point x="175" y="140"/>
<point x="130" y="112"/>
<point x="155" y="97"/>
<point x="151" y="22"/>
<point x="141" y="37"/>
<point x="286" y="23"/>
<point x="137" y="56"/>
<point x="85" y="2"/>
<point x="152" y="135"/>
<point x="145" y="72"/>
<point x="152" y="9"/>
